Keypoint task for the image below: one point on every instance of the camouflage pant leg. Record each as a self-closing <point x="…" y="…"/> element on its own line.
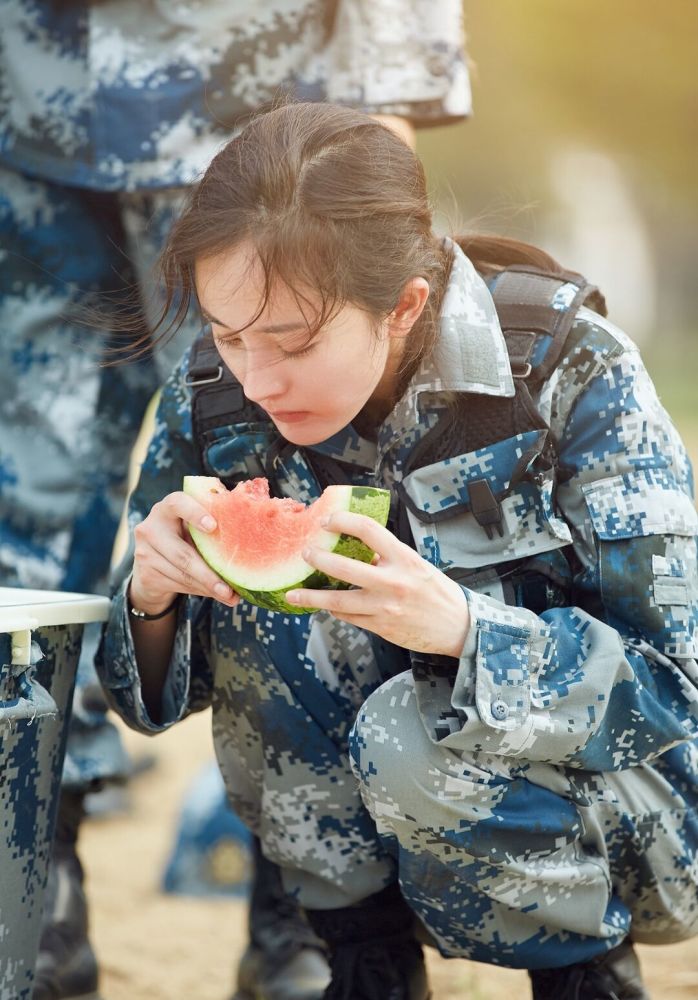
<point x="649" y="818"/>
<point x="520" y="863"/>
<point x="68" y="423"/>
<point x="94" y="747"/>
<point x="283" y="705"/>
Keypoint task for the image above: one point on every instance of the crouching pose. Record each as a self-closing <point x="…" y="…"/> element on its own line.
<point x="490" y="741"/>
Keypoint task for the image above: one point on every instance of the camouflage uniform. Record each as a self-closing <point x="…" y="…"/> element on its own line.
<point x="536" y="797"/>
<point x="107" y="111"/>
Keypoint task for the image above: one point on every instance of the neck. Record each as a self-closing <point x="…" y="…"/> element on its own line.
<point x="368" y="420"/>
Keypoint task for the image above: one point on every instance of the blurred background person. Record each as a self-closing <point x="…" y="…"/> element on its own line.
<point x="584" y="140"/>
<point x="108" y="110"/>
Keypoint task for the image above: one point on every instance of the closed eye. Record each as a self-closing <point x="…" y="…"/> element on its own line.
<point x="232" y="340"/>
<point x="227" y="340"/>
<point x="284" y="354"/>
<point x="301" y="352"/>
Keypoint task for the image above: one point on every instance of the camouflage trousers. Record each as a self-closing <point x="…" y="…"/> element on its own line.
<point x="506" y="861"/>
<point x="68" y="422"/>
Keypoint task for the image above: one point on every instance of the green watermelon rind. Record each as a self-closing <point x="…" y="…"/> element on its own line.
<point x="369" y="500"/>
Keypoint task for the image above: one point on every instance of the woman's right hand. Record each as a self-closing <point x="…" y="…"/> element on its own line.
<point x="166" y="562"/>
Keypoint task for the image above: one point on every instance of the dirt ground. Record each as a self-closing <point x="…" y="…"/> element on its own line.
<point x="153" y="946"/>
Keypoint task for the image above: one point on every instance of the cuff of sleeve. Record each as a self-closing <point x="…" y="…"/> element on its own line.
<point x="420" y="114"/>
<point x="118" y="668"/>
<point x="470" y="645"/>
<point x="499" y="648"/>
<point x="482" y="702"/>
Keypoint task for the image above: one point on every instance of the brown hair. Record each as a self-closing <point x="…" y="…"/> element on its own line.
<point x="330" y="199"/>
<point x="333" y="201"/>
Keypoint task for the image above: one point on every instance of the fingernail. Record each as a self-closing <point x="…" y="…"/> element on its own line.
<point x="292" y="597"/>
<point x="306" y="554"/>
<point x="222" y="590"/>
<point x="207" y="523"/>
<point x="324" y="521"/>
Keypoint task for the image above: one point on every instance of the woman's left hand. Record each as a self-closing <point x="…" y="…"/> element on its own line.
<point x="400" y="596"/>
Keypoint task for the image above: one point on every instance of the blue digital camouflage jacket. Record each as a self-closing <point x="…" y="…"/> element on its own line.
<point x="122" y="94"/>
<point x="582" y="648"/>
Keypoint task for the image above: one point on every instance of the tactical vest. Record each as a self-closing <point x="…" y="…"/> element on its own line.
<point x="536" y="311"/>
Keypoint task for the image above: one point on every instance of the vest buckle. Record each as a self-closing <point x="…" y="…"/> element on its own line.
<point x="486" y="509"/>
<point x="204" y="376"/>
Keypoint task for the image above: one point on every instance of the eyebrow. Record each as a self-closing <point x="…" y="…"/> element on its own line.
<point x="274" y="328"/>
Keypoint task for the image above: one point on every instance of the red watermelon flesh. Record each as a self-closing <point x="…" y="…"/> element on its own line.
<point x="258" y="544"/>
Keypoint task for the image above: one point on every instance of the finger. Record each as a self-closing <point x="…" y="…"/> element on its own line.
<point x="160" y="575"/>
<point x="351" y="571"/>
<point x="220" y="591"/>
<point x="181" y="563"/>
<point x="365" y="529"/>
<point x="337" y="602"/>
<point x="181" y="507"/>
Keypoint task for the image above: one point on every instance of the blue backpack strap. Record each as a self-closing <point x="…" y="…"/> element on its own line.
<point x="217" y="398"/>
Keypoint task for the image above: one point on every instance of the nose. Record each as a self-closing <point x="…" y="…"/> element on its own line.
<point x="263" y="381"/>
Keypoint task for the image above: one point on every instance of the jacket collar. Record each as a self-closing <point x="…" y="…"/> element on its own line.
<point x="470" y="354"/>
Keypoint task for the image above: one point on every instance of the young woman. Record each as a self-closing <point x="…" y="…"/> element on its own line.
<point x="490" y="741"/>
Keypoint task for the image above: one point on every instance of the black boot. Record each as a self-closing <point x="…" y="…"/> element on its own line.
<point x="66" y="968"/>
<point x="374" y="954"/>
<point x="284" y="960"/>
<point x="615" y="975"/>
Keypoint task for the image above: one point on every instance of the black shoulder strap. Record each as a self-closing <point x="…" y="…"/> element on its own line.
<point x="217" y="396"/>
<point x="530" y="303"/>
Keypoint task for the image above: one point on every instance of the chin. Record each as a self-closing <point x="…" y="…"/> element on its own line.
<point x="306" y="440"/>
<point x="310" y="434"/>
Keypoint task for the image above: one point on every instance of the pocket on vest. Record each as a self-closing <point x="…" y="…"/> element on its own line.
<point x="443" y="501"/>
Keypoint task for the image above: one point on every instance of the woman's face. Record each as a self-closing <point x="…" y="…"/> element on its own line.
<point x="310" y="390"/>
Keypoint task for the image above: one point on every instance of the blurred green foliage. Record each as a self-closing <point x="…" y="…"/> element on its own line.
<point x="621" y="76"/>
<point x="672" y="361"/>
<point x="617" y="77"/>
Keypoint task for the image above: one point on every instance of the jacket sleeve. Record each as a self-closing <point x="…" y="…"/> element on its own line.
<point x="612" y="681"/>
<point x="188" y="685"/>
<point x="400" y="57"/>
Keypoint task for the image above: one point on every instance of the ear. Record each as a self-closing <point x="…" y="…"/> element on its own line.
<point x="409" y="308"/>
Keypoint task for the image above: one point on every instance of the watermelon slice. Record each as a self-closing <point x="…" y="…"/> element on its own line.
<point x="257" y="545"/>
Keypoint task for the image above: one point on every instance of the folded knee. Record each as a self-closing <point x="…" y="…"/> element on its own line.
<point x="382" y="739"/>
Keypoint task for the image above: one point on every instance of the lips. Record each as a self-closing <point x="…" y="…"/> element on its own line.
<point x="289" y="416"/>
